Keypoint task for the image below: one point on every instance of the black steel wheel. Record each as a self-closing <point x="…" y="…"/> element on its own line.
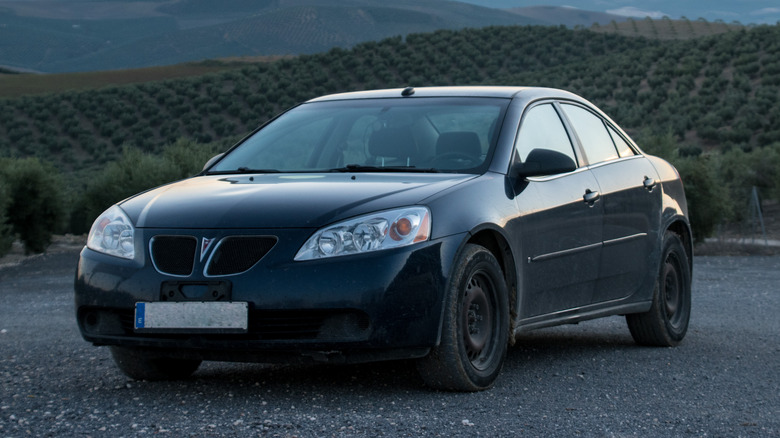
<point x="476" y="326"/>
<point x="142" y="364"/>
<point x="666" y="323"/>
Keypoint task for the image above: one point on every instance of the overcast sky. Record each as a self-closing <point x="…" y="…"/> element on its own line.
<point x="744" y="11"/>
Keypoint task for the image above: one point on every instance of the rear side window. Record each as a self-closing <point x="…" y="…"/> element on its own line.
<point x="622" y="147"/>
<point x="592" y="133"/>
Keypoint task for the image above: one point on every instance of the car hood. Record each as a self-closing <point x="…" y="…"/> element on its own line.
<point x="279" y="200"/>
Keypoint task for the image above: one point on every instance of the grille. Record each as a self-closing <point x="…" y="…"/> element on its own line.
<point x="237" y="254"/>
<point x="174" y="255"/>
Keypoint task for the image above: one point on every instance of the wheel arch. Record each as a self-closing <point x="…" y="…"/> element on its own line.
<point x="682" y="229"/>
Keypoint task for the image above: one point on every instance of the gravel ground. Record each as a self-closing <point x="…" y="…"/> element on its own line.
<point x="585" y="380"/>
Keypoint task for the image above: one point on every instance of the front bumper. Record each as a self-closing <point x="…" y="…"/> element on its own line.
<point x="375" y="306"/>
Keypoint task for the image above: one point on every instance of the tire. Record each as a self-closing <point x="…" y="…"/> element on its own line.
<point x="140" y="364"/>
<point x="666" y="323"/>
<point x="475" y="328"/>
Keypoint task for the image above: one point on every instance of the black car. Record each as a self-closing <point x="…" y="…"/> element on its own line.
<point x="432" y="224"/>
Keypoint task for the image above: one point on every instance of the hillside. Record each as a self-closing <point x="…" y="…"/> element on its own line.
<point x="713" y="93"/>
<point x="82" y="35"/>
<point x="83" y="129"/>
<point x="87" y="35"/>
<point x="18" y="85"/>
<point x="13" y="84"/>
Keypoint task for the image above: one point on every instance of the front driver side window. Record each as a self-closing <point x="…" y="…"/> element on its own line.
<point x="542" y="129"/>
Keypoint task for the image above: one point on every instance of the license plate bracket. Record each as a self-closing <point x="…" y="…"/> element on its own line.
<point x="195" y="291"/>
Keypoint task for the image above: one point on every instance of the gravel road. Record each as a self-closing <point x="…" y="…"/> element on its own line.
<point x="584" y="380"/>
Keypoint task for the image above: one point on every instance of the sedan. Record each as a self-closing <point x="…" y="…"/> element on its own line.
<point x="427" y="224"/>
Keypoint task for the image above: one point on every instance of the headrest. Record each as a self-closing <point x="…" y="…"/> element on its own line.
<point x="392" y="142"/>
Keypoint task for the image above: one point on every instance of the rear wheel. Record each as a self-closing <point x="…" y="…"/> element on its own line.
<point x="666" y="323"/>
<point x="141" y="364"/>
<point x="476" y="326"/>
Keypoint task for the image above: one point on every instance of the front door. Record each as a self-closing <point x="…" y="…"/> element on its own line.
<point x="560" y="221"/>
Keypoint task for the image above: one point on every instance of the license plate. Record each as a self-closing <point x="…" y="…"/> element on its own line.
<point x="192" y="317"/>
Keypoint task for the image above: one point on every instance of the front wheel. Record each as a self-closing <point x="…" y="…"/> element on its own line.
<point x="666" y="323"/>
<point x="142" y="364"/>
<point x="476" y="326"/>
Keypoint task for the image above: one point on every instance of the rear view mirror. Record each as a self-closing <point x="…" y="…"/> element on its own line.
<point x="542" y="162"/>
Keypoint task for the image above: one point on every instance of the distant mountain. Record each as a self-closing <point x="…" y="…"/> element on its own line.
<point x="82" y="35"/>
<point x="92" y="35"/>
<point x="729" y="11"/>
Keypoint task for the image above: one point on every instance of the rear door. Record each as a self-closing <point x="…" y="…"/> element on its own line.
<point x="631" y="196"/>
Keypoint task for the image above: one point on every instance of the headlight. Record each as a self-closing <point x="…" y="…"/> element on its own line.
<point x="112" y="233"/>
<point x="373" y="232"/>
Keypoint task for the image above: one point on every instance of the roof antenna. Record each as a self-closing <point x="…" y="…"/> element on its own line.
<point x="408" y="91"/>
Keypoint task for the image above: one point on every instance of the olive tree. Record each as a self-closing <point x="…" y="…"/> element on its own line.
<point x="35" y="208"/>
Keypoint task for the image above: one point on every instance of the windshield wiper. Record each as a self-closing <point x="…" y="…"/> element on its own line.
<point x="242" y="170"/>
<point x="362" y="168"/>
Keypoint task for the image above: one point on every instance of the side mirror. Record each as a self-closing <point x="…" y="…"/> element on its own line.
<point x="542" y="162"/>
<point x="213" y="160"/>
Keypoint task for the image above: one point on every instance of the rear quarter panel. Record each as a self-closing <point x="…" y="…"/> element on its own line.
<point x="675" y="206"/>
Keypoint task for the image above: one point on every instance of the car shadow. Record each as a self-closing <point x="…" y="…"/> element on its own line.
<point x="545" y="351"/>
<point x="399" y="375"/>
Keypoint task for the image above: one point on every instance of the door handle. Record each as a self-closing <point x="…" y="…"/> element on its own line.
<point x="649" y="183"/>
<point x="591" y="197"/>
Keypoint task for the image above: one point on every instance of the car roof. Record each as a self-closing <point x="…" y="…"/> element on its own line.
<point x="506" y="92"/>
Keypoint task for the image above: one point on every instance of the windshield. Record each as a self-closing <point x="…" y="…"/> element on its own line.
<point x="404" y="134"/>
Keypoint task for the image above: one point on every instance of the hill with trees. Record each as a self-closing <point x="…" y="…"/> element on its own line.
<point x="709" y="104"/>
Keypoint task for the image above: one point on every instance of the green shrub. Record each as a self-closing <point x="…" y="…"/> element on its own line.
<point x="136" y="172"/>
<point x="660" y="145"/>
<point x="6" y="232"/>
<point x="706" y="208"/>
<point x="36" y="209"/>
<point x="189" y="157"/>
